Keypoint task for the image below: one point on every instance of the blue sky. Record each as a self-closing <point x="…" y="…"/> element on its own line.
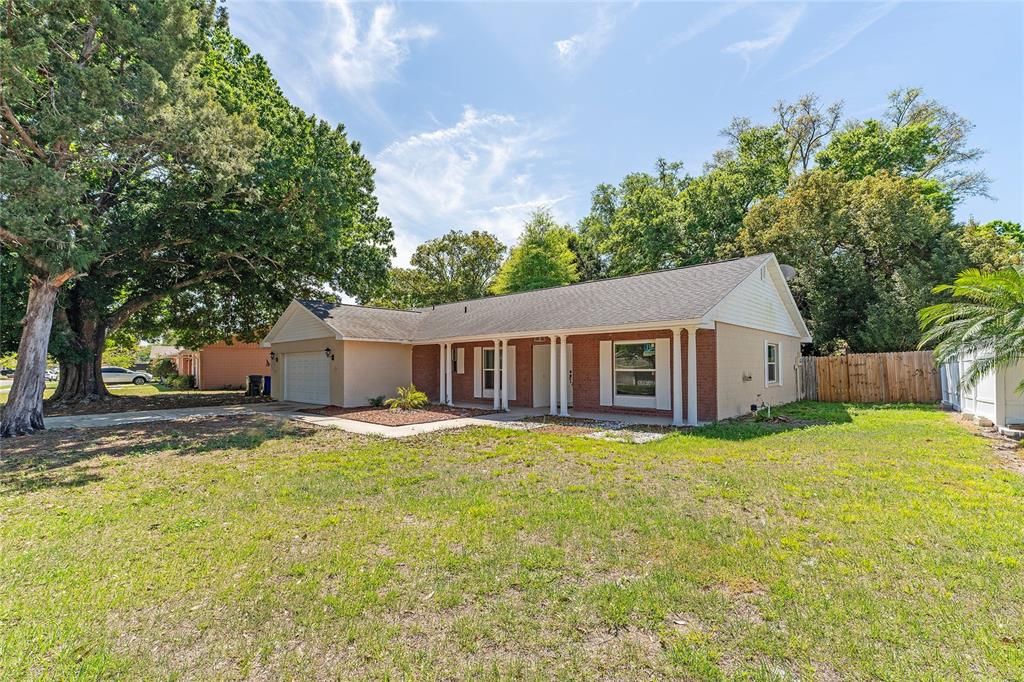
<point x="476" y="113"/>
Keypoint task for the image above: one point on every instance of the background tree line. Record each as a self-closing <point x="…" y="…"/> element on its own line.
<point x="862" y="209"/>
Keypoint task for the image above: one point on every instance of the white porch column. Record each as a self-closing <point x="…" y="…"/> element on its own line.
<point x="450" y="395"/>
<point x="497" y="378"/>
<point x="504" y="375"/>
<point x="553" y="376"/>
<point x="442" y="390"/>
<point x="677" y="377"/>
<point x="691" y="376"/>
<point x="563" y="372"/>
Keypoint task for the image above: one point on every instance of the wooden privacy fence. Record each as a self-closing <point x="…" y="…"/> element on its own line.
<point x="908" y="377"/>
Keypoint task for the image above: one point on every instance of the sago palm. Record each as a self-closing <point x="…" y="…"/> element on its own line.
<point x="985" y="320"/>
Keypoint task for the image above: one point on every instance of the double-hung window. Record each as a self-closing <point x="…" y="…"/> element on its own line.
<point x="635" y="370"/>
<point x="771" y="364"/>
<point x="490" y="371"/>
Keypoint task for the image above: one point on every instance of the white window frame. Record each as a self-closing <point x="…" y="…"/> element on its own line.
<point x="496" y="381"/>
<point x="647" y="401"/>
<point x="778" y="363"/>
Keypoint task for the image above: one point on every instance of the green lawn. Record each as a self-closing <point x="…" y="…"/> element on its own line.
<point x="116" y="389"/>
<point x="886" y="544"/>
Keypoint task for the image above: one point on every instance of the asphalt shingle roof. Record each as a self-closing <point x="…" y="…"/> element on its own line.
<point x="661" y="296"/>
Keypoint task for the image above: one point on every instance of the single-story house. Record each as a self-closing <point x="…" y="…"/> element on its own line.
<point x="223" y="365"/>
<point x="696" y="343"/>
<point x="994" y="397"/>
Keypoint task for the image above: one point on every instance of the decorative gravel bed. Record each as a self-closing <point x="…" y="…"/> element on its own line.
<point x="599" y="429"/>
<point x="384" y="416"/>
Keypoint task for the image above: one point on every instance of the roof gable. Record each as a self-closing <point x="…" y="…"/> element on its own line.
<point x="762" y="301"/>
<point x="688" y="295"/>
<point x="297" y="323"/>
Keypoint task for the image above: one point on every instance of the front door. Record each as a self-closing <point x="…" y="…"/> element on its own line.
<point x="542" y="373"/>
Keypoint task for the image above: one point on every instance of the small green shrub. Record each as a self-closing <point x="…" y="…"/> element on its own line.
<point x="163" y="368"/>
<point x="179" y="382"/>
<point x="409" y="398"/>
<point x="377" y="401"/>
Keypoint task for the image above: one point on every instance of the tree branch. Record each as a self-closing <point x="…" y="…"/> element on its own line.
<point x="134" y="305"/>
<point x="22" y="133"/>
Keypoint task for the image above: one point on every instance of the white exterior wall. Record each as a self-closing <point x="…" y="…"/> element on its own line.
<point x="375" y="368"/>
<point x="756" y="303"/>
<point x="301" y="325"/>
<point x="994" y="397"/>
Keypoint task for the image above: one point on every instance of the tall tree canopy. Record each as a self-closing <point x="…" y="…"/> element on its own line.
<point x="215" y="265"/>
<point x="541" y="258"/>
<point x="453" y="267"/>
<point x="867" y="253"/>
<point x="95" y="97"/>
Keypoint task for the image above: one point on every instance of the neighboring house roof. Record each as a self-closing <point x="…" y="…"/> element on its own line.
<point x="159" y="351"/>
<point x="665" y="296"/>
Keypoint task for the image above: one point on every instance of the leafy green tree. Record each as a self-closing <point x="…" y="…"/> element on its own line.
<point x="985" y="320"/>
<point x="917" y="138"/>
<point x="867" y="252"/>
<point x="541" y="258"/>
<point x="634" y="226"/>
<point x="215" y="265"/>
<point x="806" y="127"/>
<point x="95" y="97"/>
<point x="404" y="288"/>
<point x="453" y="267"/>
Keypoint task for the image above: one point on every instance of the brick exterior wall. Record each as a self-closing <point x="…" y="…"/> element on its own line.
<point x="463" y="383"/>
<point x="425" y="367"/>
<point x="586" y="385"/>
<point x="586" y="371"/>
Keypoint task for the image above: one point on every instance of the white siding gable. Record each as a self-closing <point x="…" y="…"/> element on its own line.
<point x="757" y="302"/>
<point x="302" y="325"/>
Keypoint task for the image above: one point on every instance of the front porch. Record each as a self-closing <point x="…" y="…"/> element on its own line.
<point x="643" y="376"/>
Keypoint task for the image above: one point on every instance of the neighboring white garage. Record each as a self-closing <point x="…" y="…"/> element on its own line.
<point x="307" y="378"/>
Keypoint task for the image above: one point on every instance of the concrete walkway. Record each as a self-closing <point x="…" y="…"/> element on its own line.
<point x="284" y="410"/>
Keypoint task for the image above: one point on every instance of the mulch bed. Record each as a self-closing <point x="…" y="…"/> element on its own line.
<point x="387" y="417"/>
<point x="168" y="401"/>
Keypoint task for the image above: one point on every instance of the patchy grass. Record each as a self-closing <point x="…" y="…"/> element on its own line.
<point x="849" y="543"/>
<point x="129" y="397"/>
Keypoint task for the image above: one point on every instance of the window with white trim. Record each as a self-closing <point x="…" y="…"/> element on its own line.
<point x="771" y="364"/>
<point x="489" y="369"/>
<point x="634" y="369"/>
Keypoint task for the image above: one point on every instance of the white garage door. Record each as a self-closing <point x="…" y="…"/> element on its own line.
<point x="307" y="378"/>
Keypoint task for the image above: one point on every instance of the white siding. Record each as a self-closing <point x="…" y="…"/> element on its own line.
<point x="302" y="325"/>
<point x="757" y="303"/>
<point x="994" y="397"/>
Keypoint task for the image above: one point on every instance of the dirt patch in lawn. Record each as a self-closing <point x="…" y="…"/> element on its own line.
<point x="159" y="401"/>
<point x="387" y="417"/>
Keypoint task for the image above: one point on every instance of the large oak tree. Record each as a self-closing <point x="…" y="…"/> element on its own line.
<point x="210" y="265"/>
<point x="95" y="97"/>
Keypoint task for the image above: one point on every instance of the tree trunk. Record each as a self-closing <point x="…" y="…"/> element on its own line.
<point x="81" y="378"/>
<point x="23" y="413"/>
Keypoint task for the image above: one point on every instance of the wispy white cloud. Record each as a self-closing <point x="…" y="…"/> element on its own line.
<point x="841" y="39"/>
<point x="777" y="35"/>
<point x="318" y="49"/>
<point x="362" y="57"/>
<point x="582" y="47"/>
<point x="475" y="174"/>
<point x="701" y="24"/>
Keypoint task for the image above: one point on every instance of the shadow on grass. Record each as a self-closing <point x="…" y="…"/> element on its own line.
<point x="41" y="460"/>
<point x="794" y="416"/>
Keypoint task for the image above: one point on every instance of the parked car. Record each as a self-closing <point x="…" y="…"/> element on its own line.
<point x="120" y="375"/>
<point x="52" y="374"/>
<point x="6" y="372"/>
